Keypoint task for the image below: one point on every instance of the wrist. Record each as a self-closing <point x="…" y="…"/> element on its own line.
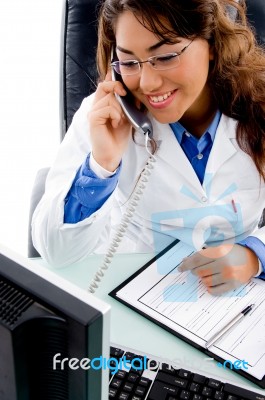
<point x="110" y="165"/>
<point x="101" y="172"/>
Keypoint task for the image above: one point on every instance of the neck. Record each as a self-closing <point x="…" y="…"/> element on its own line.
<point x="197" y="119"/>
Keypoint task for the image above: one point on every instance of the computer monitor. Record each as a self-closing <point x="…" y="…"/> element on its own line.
<point x="50" y="330"/>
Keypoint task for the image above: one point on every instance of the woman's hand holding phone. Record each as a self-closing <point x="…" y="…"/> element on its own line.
<point x="110" y="129"/>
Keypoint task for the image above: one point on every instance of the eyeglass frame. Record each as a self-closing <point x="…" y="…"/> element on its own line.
<point x="115" y="64"/>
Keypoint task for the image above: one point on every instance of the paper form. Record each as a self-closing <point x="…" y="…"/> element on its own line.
<point x="181" y="302"/>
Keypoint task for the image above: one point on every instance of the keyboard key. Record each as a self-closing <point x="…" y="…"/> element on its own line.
<point x="121" y="374"/>
<point x="138" y="372"/>
<point x="197" y="397"/>
<point x="185" y="395"/>
<point x="113" y="364"/>
<point x="124" y="396"/>
<point x="140" y="390"/>
<point x="116" y="383"/>
<point x="137" y="398"/>
<point x="112" y="393"/>
<point x="161" y="391"/>
<point x="132" y="377"/>
<point x="231" y="397"/>
<point x="128" y="387"/>
<point x="145" y="382"/>
<point x="129" y="356"/>
<point x="199" y="378"/>
<point x="172" y="380"/>
<point x="138" y="362"/>
<point x="213" y="383"/>
<point x="195" y="387"/>
<point x="153" y="365"/>
<point x="219" y="395"/>
<point x="115" y="352"/>
<point x="206" y="391"/>
<point x="183" y="373"/>
<point x="168" y="369"/>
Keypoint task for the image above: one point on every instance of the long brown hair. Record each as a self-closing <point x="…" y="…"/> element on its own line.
<point x="237" y="73"/>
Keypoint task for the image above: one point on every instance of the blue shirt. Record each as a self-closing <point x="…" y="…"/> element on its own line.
<point x="197" y="150"/>
<point x="88" y="192"/>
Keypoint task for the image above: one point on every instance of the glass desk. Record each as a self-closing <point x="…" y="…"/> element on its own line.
<point x="132" y="330"/>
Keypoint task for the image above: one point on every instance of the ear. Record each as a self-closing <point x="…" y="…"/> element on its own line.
<point x="211" y="53"/>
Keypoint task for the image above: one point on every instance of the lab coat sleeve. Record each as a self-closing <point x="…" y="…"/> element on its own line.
<point x="60" y="243"/>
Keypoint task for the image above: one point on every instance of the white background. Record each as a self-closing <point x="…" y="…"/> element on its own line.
<point x="29" y="106"/>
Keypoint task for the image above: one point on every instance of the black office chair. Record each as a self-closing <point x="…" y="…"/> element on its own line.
<point x="256" y="17"/>
<point x="78" y="75"/>
<point x="79" y="72"/>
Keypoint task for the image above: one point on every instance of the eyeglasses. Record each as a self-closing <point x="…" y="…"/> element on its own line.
<point x="161" y="62"/>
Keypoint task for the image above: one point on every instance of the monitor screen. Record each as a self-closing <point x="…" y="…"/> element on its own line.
<point x="50" y="330"/>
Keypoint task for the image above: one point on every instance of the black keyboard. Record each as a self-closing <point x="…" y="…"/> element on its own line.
<point x="140" y="378"/>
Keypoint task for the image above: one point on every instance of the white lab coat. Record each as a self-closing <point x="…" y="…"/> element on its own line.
<point x="227" y="207"/>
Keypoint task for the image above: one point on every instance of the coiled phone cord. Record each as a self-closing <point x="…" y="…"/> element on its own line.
<point x="139" y="188"/>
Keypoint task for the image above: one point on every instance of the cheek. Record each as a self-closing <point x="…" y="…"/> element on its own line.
<point x="131" y="82"/>
<point x="196" y="74"/>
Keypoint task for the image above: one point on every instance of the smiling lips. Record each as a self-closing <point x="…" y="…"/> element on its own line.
<point x="162" y="100"/>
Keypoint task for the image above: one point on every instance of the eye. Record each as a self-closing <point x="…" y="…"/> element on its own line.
<point x="165" y="58"/>
<point x="129" y="64"/>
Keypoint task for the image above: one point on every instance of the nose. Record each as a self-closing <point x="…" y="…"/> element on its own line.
<point x="150" y="79"/>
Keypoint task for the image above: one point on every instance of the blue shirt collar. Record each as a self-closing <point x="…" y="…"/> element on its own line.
<point x="179" y="129"/>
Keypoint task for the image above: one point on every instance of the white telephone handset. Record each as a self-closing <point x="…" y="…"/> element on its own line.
<point x="140" y="122"/>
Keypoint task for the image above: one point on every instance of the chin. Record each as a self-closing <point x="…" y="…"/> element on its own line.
<point x="166" y="119"/>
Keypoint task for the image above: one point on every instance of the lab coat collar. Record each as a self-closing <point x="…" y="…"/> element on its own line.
<point x="170" y="151"/>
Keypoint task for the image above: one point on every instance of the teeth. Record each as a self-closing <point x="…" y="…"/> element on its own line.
<point x="157" y="99"/>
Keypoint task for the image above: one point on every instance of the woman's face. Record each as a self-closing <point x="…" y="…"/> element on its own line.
<point x="169" y="95"/>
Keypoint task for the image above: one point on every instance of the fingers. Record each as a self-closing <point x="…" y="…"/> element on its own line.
<point x="223" y="288"/>
<point x="108" y="113"/>
<point x="221" y="270"/>
<point x="194" y="261"/>
<point x="107" y="87"/>
<point x="213" y="280"/>
<point x="105" y="105"/>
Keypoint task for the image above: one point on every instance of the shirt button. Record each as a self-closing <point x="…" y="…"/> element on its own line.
<point x="204" y="199"/>
<point x="200" y="156"/>
<point x="187" y="134"/>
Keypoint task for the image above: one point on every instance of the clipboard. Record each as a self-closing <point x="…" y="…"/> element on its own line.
<point x="142" y="293"/>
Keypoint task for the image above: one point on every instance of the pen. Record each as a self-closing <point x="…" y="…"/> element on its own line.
<point x="217" y="335"/>
<point x="234" y="206"/>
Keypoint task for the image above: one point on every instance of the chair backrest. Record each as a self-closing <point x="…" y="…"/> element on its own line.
<point x="78" y="64"/>
<point x="256" y="17"/>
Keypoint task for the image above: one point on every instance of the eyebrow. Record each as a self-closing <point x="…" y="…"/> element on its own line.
<point x="150" y="49"/>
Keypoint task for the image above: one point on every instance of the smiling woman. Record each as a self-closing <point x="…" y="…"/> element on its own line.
<point x="199" y="77"/>
<point x="168" y="93"/>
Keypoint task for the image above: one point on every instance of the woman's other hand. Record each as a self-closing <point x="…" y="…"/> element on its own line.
<point x="222" y="268"/>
